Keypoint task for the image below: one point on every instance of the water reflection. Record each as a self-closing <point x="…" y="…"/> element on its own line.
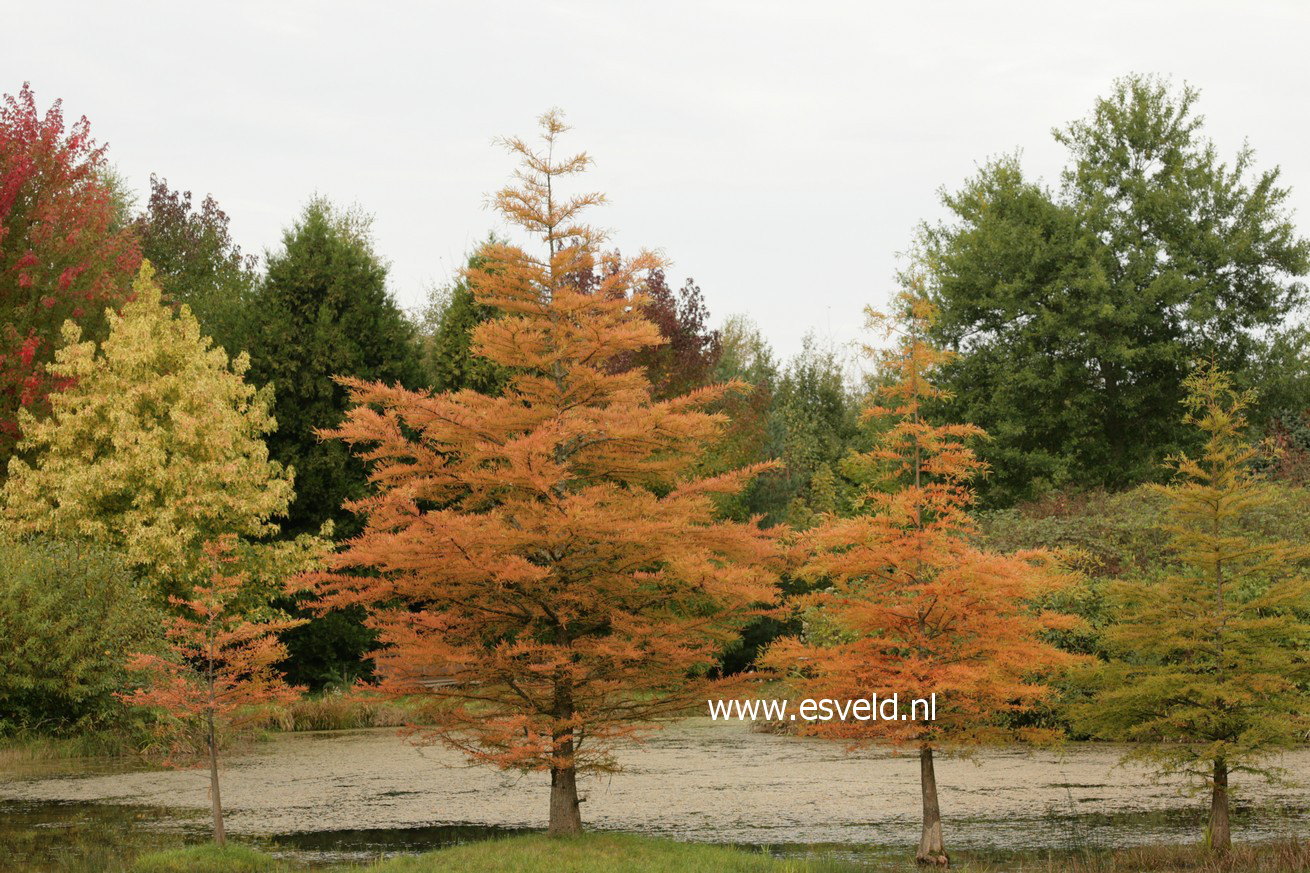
<point x="359" y="846"/>
<point x="54" y="836"/>
<point x="79" y="837"/>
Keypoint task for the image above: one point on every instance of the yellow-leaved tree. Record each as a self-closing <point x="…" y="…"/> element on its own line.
<point x="155" y="448"/>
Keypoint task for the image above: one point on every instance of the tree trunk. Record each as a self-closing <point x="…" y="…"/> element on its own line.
<point x="215" y="800"/>
<point x="931" y="851"/>
<point x="565" y="817"/>
<point x="1219" y="837"/>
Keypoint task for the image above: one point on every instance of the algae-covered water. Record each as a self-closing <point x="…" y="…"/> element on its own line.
<point x="356" y="795"/>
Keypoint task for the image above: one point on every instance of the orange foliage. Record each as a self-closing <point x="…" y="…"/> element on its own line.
<point x="549" y="551"/>
<point x="220" y="668"/>
<point x="915" y="606"/>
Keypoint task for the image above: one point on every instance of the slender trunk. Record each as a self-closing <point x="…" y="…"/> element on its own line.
<point x="215" y="800"/>
<point x="1219" y="836"/>
<point x="931" y="851"/>
<point x="565" y="816"/>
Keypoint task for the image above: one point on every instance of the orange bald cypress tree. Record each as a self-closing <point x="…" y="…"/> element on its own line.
<point x="549" y="552"/>
<point x="911" y="606"/>
<point x="221" y="665"/>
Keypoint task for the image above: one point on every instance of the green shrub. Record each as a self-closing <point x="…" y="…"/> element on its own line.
<point x="208" y="858"/>
<point x="1119" y="535"/>
<point x="1109" y="536"/>
<point x="69" y="616"/>
<point x="1114" y="534"/>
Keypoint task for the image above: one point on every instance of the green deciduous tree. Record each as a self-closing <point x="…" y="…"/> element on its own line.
<point x="70" y="614"/>
<point x="198" y="263"/>
<point x="814" y="423"/>
<point x="802" y="413"/>
<point x="1077" y="311"/>
<point x="1210" y="664"/>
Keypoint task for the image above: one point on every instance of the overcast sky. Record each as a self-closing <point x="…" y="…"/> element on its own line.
<point x="779" y="153"/>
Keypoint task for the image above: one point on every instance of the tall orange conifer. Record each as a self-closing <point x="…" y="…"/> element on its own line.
<point x="221" y="665"/>
<point x="549" y="552"/>
<point x="913" y="607"/>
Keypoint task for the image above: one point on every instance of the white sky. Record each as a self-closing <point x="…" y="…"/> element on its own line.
<point x="780" y="153"/>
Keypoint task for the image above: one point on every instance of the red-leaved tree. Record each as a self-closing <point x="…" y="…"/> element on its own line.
<point x="220" y="667"/>
<point x="61" y="254"/>
<point x="549" y="552"/>
<point x="685" y="358"/>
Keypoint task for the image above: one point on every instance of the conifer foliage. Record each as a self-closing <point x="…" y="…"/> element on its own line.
<point x="912" y="606"/>
<point x="1210" y="661"/>
<point x="549" y="550"/>
<point x="220" y="667"/>
<point x="324" y="311"/>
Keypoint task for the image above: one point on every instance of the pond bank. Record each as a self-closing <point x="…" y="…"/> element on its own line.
<point x="334" y="795"/>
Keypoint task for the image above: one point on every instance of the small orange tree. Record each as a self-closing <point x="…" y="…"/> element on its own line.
<point x="219" y="669"/>
<point x="912" y="606"/>
<point x="550" y="551"/>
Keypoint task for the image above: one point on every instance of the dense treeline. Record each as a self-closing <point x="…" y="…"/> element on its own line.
<point x="558" y="484"/>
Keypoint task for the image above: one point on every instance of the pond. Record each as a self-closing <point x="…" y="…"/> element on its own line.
<point x="357" y="795"/>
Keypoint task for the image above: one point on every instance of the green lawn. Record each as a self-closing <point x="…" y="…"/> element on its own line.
<point x="593" y="853"/>
<point x="590" y="853"/>
<point x="208" y="858"/>
<point x="624" y="853"/>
